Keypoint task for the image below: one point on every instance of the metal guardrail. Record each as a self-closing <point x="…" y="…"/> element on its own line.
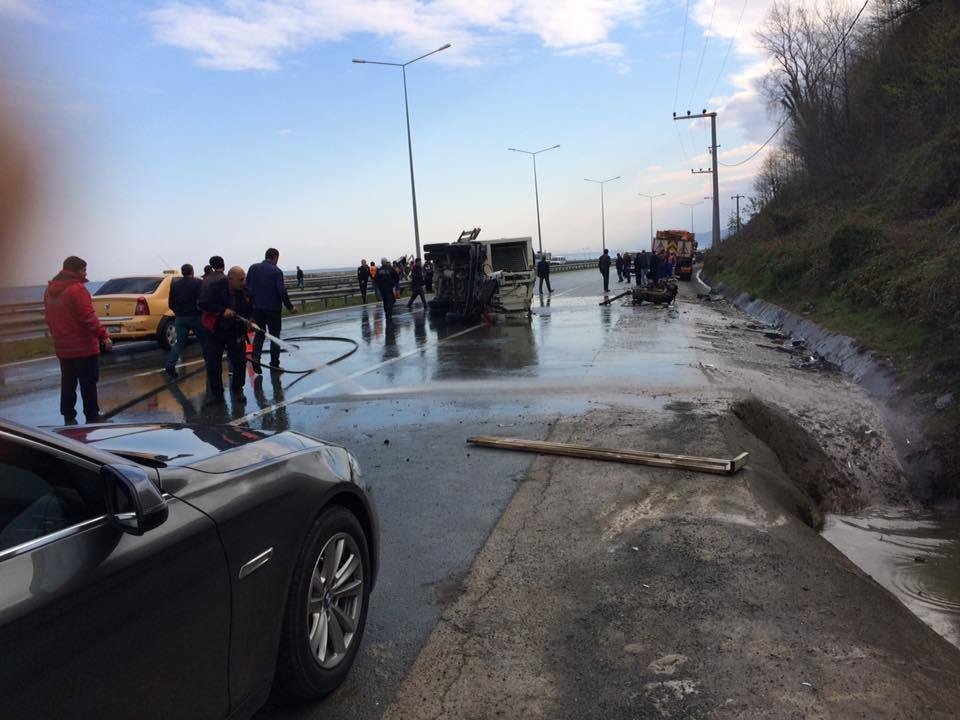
<point x="20" y="321"/>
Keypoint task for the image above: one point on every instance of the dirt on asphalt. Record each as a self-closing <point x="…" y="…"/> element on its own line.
<point x="618" y="591"/>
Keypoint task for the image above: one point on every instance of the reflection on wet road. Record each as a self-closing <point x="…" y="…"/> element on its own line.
<point x="553" y="352"/>
<point x="914" y="555"/>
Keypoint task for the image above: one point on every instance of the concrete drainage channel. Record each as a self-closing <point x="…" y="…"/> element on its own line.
<point x="911" y="551"/>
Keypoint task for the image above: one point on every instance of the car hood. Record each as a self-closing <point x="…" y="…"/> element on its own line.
<point x="210" y="448"/>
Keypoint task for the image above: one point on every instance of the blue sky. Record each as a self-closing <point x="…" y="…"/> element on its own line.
<point x="165" y="132"/>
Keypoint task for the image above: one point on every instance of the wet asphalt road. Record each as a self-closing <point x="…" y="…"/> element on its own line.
<point x="405" y="403"/>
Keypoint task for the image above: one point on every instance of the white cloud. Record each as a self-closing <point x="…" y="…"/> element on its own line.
<point x="283" y="132"/>
<point x="249" y="35"/>
<point x="21" y="10"/>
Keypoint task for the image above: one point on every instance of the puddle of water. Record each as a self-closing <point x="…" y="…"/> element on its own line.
<point x="914" y="555"/>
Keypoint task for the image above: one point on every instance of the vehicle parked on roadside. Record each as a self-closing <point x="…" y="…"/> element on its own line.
<point x="177" y="571"/>
<point x="135" y="308"/>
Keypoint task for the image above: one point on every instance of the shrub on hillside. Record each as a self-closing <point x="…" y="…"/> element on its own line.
<point x="849" y="245"/>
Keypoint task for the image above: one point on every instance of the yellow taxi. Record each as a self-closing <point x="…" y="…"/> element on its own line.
<point x="135" y="308"/>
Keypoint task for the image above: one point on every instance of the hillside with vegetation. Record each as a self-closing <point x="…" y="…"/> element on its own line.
<point x="856" y="214"/>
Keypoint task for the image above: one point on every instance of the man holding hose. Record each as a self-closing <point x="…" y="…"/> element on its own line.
<point x="223" y="304"/>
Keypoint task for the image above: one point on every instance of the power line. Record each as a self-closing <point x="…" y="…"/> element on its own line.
<point x="683" y="42"/>
<point x="703" y="53"/>
<point x="754" y="153"/>
<point x="843" y="39"/>
<point x="727" y="54"/>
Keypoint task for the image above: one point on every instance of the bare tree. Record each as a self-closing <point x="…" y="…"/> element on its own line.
<point x="808" y="82"/>
<point x="779" y="169"/>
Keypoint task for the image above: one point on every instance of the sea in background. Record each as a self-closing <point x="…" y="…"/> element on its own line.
<point x="34" y="293"/>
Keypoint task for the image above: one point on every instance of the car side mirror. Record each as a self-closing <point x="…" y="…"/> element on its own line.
<point x="134" y="503"/>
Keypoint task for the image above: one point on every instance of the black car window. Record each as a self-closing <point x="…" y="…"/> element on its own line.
<point x="40" y="493"/>
<point x="130" y="286"/>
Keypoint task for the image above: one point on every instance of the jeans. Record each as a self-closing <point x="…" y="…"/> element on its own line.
<point x="184" y="325"/>
<point x="606" y="280"/>
<point x="86" y="371"/>
<point x="235" y="346"/>
<point x="269" y="320"/>
<point x="547" y="280"/>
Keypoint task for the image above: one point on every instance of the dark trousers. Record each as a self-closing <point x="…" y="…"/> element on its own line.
<point x="235" y="347"/>
<point x="545" y="279"/>
<point x="626" y="274"/>
<point x="363" y="290"/>
<point x="606" y="279"/>
<point x="269" y="320"/>
<point x="86" y="371"/>
<point x="417" y="292"/>
<point x="388" y="302"/>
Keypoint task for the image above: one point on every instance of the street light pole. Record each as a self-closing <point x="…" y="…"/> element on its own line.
<point x="603" y="224"/>
<point x="692" y="206"/>
<point x="536" y="187"/>
<point x="406" y="108"/>
<point x="650" y="198"/>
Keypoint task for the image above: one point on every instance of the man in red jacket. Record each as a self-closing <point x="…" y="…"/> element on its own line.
<point x="77" y="339"/>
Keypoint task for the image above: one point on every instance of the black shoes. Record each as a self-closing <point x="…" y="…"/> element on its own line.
<point x="97" y="419"/>
<point x="171" y="371"/>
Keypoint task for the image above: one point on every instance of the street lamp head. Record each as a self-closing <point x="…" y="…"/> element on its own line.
<point x="358" y="60"/>
<point x="445" y="46"/>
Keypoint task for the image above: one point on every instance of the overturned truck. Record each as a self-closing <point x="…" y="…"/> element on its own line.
<point x="474" y="278"/>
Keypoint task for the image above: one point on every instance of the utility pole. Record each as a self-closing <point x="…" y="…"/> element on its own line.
<point x="713" y="151"/>
<point x="737" y="198"/>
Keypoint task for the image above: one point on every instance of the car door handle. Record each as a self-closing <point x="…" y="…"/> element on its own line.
<point x="255" y="563"/>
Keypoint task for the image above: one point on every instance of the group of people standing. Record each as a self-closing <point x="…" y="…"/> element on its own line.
<point x="221" y="308"/>
<point x="218" y="308"/>
<point x="646" y="266"/>
<point x="386" y="281"/>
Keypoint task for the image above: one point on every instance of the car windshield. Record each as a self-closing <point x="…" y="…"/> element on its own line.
<point x="130" y="286"/>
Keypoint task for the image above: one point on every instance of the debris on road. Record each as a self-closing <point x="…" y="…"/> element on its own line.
<point x="716" y="466"/>
<point x="615" y="297"/>
<point x="660" y="292"/>
<point x="816" y="362"/>
<point x="778" y="348"/>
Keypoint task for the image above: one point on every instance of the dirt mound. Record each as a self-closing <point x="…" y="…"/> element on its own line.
<point x="809" y="468"/>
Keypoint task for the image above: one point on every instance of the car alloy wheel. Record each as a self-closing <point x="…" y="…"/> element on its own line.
<point x="335" y="600"/>
<point x="326" y="607"/>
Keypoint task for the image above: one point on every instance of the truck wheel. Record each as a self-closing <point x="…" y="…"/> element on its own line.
<point x="166" y="334"/>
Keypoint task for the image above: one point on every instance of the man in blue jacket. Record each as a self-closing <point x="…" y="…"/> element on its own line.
<point x="268" y="296"/>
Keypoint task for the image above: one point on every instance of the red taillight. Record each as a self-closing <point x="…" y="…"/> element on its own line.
<point x="142" y="307"/>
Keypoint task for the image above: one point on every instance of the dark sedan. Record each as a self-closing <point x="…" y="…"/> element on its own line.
<point x="177" y="571"/>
